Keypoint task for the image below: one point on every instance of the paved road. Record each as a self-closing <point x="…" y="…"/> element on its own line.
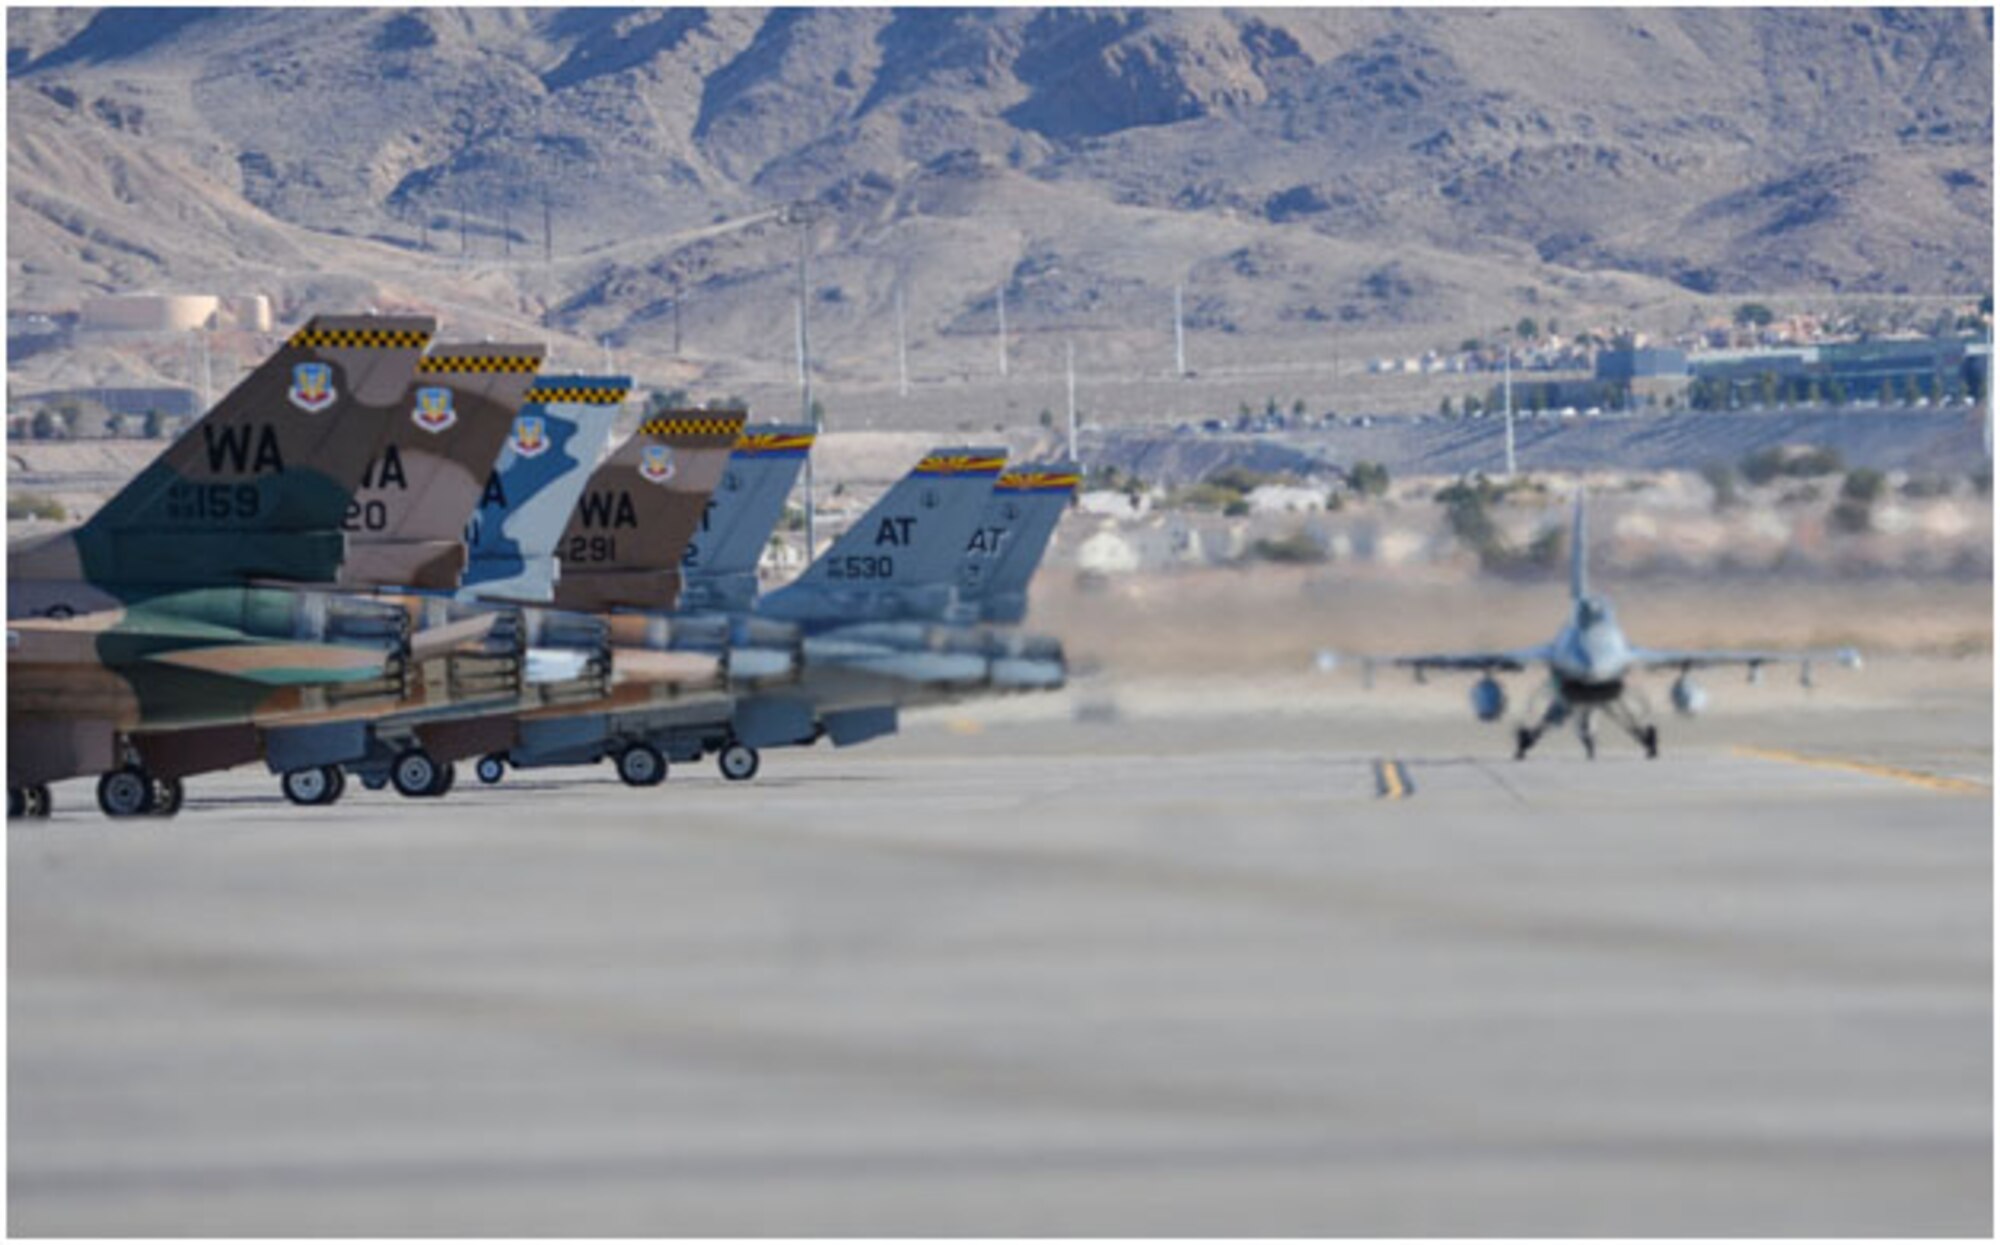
<point x="1033" y="979"/>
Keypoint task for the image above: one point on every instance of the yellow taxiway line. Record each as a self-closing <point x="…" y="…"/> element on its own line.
<point x="1916" y="778"/>
<point x="1392" y="781"/>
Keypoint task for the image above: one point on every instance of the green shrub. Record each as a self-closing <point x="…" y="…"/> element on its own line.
<point x="1298" y="548"/>
<point x="1864" y="484"/>
<point x="35" y="506"/>
<point x="1368" y="479"/>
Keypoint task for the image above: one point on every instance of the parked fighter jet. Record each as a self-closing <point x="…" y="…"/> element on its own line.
<point x="1590" y="664"/>
<point x="847" y="677"/>
<point x="153" y="615"/>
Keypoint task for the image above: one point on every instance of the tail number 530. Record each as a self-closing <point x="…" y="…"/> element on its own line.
<point x="862" y="566"/>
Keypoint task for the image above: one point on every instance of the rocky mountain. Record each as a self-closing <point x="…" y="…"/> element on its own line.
<point x="1316" y="179"/>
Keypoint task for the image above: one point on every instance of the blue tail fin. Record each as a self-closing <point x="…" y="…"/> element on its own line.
<point x="557" y="438"/>
<point x="1012" y="536"/>
<point x="719" y="570"/>
<point x="901" y="558"/>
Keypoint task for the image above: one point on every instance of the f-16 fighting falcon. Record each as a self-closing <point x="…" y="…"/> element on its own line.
<point x="1590" y="664"/>
<point x="157" y="614"/>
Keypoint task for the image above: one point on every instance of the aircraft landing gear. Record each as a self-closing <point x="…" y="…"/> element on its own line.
<point x="1643" y="733"/>
<point x="1525" y="737"/>
<point x="491" y="768"/>
<point x="1584" y="735"/>
<point x="642" y="765"/>
<point x="738" y="761"/>
<point x="314" y="785"/>
<point x="29" y="800"/>
<point x="125" y="792"/>
<point x="167" y="796"/>
<point x="417" y="776"/>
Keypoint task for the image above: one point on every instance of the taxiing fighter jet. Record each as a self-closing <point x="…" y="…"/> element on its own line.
<point x="1591" y="664"/>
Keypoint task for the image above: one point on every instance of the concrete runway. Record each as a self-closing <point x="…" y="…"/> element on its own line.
<point x="1011" y="974"/>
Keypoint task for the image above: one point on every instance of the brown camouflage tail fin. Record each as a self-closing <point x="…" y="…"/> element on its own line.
<point x="624" y="543"/>
<point x="405" y="526"/>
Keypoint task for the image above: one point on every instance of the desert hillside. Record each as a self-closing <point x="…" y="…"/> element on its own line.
<point x="1323" y="184"/>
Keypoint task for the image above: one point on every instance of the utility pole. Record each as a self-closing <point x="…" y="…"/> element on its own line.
<point x="803" y="214"/>
<point x="506" y="230"/>
<point x="461" y="227"/>
<point x="604" y="343"/>
<point x="1069" y="370"/>
<point x="1180" y="339"/>
<point x="677" y="323"/>
<point x="1507" y="402"/>
<point x="1003" y="332"/>
<point x="902" y="347"/>
<point x="548" y="229"/>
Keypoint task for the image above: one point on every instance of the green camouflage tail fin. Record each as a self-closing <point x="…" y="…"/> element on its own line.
<point x="720" y="567"/>
<point x="623" y="546"/>
<point x="259" y="487"/>
<point x="406" y="524"/>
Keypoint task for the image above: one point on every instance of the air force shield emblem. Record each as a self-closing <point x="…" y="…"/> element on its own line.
<point x="656" y="464"/>
<point x="433" y="412"/>
<point x="312" y="387"/>
<point x="531" y="436"/>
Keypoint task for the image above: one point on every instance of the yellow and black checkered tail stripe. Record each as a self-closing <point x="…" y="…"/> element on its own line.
<point x="1038" y="481"/>
<point x="752" y="443"/>
<point x="432" y="365"/>
<point x="960" y="465"/>
<point x="704" y="425"/>
<point x="359" y="339"/>
<point x="579" y="395"/>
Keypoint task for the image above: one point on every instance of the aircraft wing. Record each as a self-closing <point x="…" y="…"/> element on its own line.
<point x="1685" y="660"/>
<point x="1502" y="659"/>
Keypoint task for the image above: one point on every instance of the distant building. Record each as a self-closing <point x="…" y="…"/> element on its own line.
<point x="175" y="402"/>
<point x="1622" y="365"/>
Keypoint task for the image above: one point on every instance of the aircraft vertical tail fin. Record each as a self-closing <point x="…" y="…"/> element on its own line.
<point x="623" y="545"/>
<point x="260" y="485"/>
<point x="900" y="559"/>
<point x="1579" y="553"/>
<point x="720" y="567"/>
<point x="406" y="523"/>
<point x="532" y="490"/>
<point x="1012" y="537"/>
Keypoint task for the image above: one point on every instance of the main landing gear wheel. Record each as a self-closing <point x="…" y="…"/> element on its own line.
<point x="1650" y="737"/>
<point x="447" y="775"/>
<point x="313" y="785"/>
<point x="375" y="781"/>
<point x="1524" y="739"/>
<point x="30" y="800"/>
<point x="125" y="792"/>
<point x="167" y="796"/>
<point x="415" y="774"/>
<point x="641" y="765"/>
<point x="491" y="768"/>
<point x="738" y="762"/>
